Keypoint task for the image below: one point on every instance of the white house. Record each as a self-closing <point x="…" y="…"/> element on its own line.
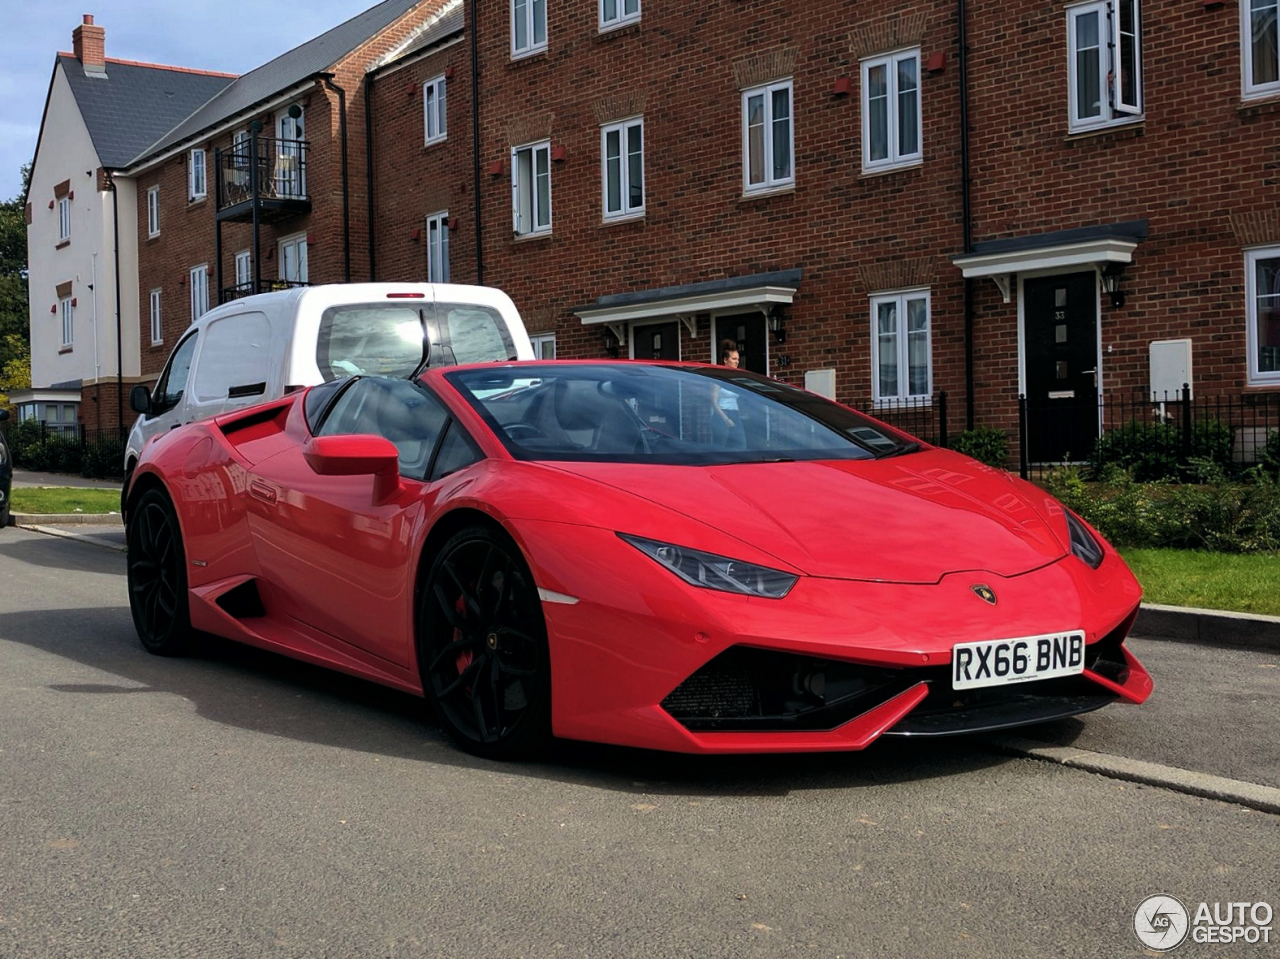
<point x="82" y="229"/>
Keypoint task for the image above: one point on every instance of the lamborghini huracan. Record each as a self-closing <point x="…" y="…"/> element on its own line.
<point x="661" y="555"/>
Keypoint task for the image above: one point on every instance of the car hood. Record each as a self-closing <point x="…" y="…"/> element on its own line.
<point x="912" y="518"/>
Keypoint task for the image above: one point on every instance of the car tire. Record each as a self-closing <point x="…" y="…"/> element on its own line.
<point x="157" y="575"/>
<point x="482" y="647"/>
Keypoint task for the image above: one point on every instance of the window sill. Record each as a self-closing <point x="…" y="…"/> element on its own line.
<point x="62" y="243"/>
<point x="610" y="31"/>
<point x="895" y="168"/>
<point x="152" y="237"/>
<point x="65" y="349"/>
<point x="1120" y="129"/>
<point x="197" y="201"/>
<point x="436" y="142"/>
<point x="1257" y="106"/>
<point x="525" y="56"/>
<point x="531" y="237"/>
<point x="786" y="190"/>
<point x="622" y="220"/>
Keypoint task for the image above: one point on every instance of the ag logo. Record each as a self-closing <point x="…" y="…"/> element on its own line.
<point x="984" y="593"/>
<point x="1160" y="923"/>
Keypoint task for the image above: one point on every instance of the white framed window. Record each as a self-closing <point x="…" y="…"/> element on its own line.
<point x="531" y="188"/>
<point x="614" y="13"/>
<point x="153" y="211"/>
<point x="244" y="271"/>
<point x="67" y="311"/>
<point x="438" y="247"/>
<point x="435" y="120"/>
<point x="892" y="131"/>
<point x="1262" y="294"/>
<point x="622" y="168"/>
<point x="293" y="258"/>
<point x="1104" y="63"/>
<point x="64" y="218"/>
<point x="240" y="149"/>
<point x="768" y="141"/>
<point x="157" y="319"/>
<point x="528" y="27"/>
<point x="544" y="346"/>
<point x="1260" y="43"/>
<point x="902" y="366"/>
<point x="199" y="284"/>
<point x="197" y="181"/>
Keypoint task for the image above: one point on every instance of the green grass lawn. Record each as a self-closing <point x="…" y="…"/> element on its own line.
<point x="1177" y="577"/>
<point x="61" y="499"/>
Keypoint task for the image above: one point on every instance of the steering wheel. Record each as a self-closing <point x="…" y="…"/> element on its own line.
<point x="523" y="431"/>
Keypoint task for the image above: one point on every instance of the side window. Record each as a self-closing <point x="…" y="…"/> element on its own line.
<point x="902" y="364"/>
<point x="173" y="381"/>
<point x="528" y="26"/>
<point x="768" y="151"/>
<point x="1260" y="38"/>
<point x="435" y="121"/>
<point x="397" y="409"/>
<point x="456" y="452"/>
<point x="531" y="189"/>
<point x="475" y="334"/>
<point x="1262" y="286"/>
<point x="622" y="168"/>
<point x="236" y="358"/>
<point x="1104" y="63"/>
<point x="891" y="125"/>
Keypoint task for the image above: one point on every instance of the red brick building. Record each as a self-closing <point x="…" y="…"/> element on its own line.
<point x="1070" y="202"/>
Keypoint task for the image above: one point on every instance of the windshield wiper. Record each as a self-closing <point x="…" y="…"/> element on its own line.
<point x="912" y="447"/>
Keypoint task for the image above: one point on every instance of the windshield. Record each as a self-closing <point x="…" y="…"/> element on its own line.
<point x="672" y="414"/>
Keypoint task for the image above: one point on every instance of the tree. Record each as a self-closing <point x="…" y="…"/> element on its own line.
<point x="15" y="325"/>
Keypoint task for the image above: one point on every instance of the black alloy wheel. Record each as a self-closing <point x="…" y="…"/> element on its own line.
<point x="482" y="647"/>
<point x="158" y="576"/>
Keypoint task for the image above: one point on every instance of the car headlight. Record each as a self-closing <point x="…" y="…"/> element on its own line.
<point x="710" y="571"/>
<point x="1083" y="543"/>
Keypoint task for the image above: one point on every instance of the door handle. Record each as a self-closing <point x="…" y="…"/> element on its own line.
<point x="263" y="492"/>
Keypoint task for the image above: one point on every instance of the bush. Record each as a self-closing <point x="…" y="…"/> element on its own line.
<point x="985" y="444"/>
<point x="103" y="457"/>
<point x="1217" y="513"/>
<point x="1269" y="457"/>
<point x="1153" y="451"/>
<point x="34" y="449"/>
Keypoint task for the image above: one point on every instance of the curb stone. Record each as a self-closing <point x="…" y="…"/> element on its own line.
<point x="1208" y="627"/>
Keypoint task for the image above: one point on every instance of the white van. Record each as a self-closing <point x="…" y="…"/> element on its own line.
<point x="260" y="347"/>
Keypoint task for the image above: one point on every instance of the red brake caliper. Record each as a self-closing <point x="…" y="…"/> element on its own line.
<point x="466" y="656"/>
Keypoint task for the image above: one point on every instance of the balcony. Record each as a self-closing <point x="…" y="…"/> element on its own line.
<point x="249" y="288"/>
<point x="265" y="176"/>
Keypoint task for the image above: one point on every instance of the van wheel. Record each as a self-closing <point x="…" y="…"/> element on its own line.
<point x="157" y="573"/>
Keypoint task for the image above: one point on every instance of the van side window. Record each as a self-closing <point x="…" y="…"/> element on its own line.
<point x="173" y="381"/>
<point x="235" y="359"/>
<point x="475" y="334"/>
<point x="396" y="409"/>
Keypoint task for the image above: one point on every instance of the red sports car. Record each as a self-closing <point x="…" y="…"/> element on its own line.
<point x="669" y="556"/>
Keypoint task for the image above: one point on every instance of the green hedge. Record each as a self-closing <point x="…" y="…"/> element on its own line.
<point x="1153" y="451"/>
<point x="1219" y="513"/>
<point x="57" y="453"/>
<point x="985" y="444"/>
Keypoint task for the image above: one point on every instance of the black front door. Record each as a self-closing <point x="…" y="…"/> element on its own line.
<point x="658" y="341"/>
<point x="747" y="330"/>
<point x="1061" y="316"/>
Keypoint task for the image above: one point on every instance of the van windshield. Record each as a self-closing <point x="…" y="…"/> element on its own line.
<point x="381" y="339"/>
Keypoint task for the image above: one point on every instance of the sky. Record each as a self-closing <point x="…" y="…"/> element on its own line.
<point x="228" y="36"/>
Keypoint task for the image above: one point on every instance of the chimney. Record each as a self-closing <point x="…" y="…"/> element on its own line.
<point x="88" y="42"/>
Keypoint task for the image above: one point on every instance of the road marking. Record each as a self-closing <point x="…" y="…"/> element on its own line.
<point x="1252" y="795"/>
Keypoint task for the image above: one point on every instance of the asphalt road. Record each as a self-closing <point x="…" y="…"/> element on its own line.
<point x="240" y="805"/>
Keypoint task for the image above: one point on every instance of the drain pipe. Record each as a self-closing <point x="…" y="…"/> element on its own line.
<point x="966" y="215"/>
<point x="346" y="186"/>
<point x="115" y="217"/>
<point x="474" y="29"/>
<point x="368" y="171"/>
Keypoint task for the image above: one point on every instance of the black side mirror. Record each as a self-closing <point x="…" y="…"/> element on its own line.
<point x="140" y="400"/>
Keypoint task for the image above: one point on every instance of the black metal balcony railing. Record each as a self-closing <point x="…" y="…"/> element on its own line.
<point x="268" y="171"/>
<point x="249" y="288"/>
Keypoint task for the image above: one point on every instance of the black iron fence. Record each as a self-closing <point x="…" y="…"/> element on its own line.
<point x="923" y="417"/>
<point x="66" y="448"/>
<point x="1151" y="435"/>
<point x="268" y="168"/>
<point x="249" y="288"/>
